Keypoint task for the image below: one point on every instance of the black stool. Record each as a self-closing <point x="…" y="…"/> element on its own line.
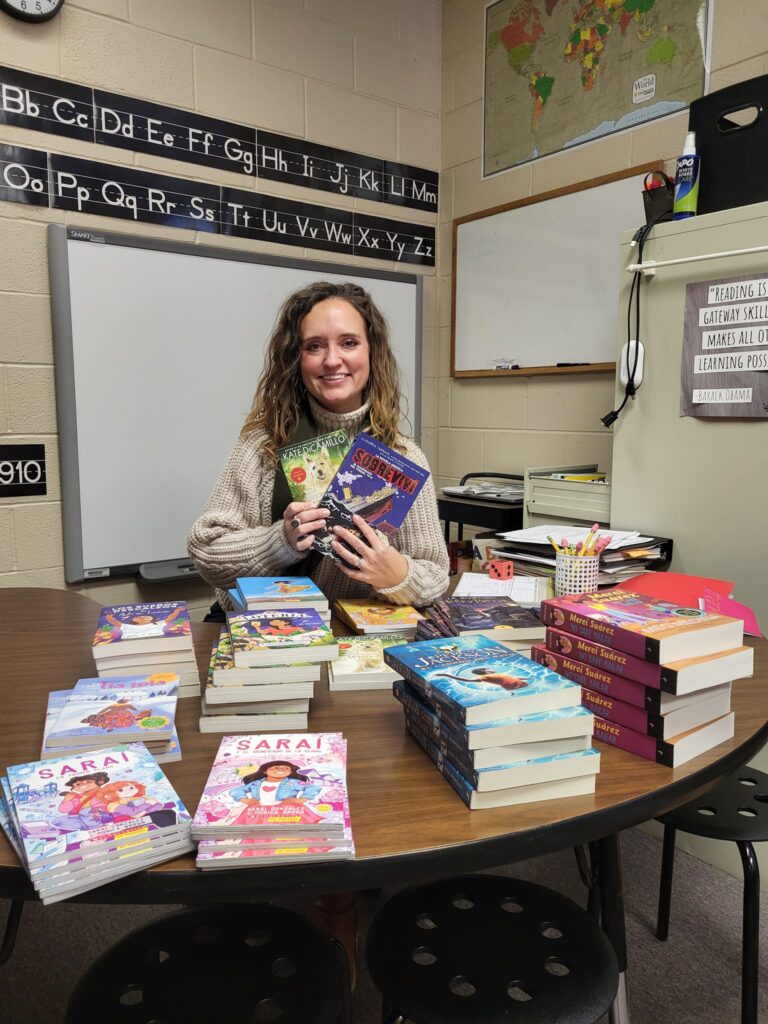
<point x="487" y="949"/>
<point x="737" y="809"/>
<point x="229" y="964"/>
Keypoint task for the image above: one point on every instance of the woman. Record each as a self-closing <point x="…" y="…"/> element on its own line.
<point x="328" y="366"/>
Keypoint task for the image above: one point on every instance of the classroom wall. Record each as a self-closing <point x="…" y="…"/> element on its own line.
<point x="360" y="75"/>
<point x="506" y="424"/>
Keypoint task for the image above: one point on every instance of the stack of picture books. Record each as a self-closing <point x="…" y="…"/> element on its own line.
<point x="255" y="593"/>
<point x="103" y="712"/>
<point x="141" y="639"/>
<point x="275" y="799"/>
<point x="497" y="617"/>
<point x="361" y="664"/>
<point x="263" y="669"/>
<point x="264" y="698"/>
<point x="81" y="821"/>
<point x="375" y="617"/>
<point x="500" y="728"/>
<point x="656" y="674"/>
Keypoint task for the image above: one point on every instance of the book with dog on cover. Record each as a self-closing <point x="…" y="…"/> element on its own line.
<point x="309" y="466"/>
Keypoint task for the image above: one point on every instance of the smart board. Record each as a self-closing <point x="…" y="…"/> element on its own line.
<point x="158" y="349"/>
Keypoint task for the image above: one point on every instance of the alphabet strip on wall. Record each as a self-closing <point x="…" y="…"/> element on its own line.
<point x="108" y="190"/>
<point x="75" y="111"/>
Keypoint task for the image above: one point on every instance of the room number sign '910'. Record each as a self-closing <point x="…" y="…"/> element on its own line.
<point x="22" y="470"/>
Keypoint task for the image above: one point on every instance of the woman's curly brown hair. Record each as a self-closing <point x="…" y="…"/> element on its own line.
<point x="280" y="393"/>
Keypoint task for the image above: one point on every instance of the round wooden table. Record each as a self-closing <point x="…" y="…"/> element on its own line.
<point x="408" y="823"/>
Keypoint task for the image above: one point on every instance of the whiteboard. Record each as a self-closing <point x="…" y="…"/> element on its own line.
<point x="535" y="282"/>
<point x="158" y="349"/>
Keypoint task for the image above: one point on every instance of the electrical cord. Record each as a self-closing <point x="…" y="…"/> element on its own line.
<point x="630" y="388"/>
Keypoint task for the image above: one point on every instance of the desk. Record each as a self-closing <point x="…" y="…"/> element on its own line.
<point x="492" y="515"/>
<point x="408" y="823"/>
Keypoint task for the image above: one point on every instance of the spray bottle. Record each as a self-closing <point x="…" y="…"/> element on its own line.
<point x="687" y="180"/>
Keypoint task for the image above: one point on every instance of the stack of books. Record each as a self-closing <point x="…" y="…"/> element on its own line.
<point x="141" y="639"/>
<point x="500" y="728"/>
<point x="263" y="669"/>
<point x="275" y="799"/>
<point x="657" y="675"/>
<point x="81" y="821"/>
<point x="372" y="617"/>
<point x="254" y="593"/>
<point x="361" y="664"/>
<point x="497" y="617"/>
<point x="103" y="712"/>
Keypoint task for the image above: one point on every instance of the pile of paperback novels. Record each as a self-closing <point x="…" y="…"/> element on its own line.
<point x="657" y="675"/>
<point x="501" y="729"/>
<point x="497" y="617"/>
<point x="141" y="639"/>
<point x="103" y="712"/>
<point x="81" y="821"/>
<point x="275" y="799"/>
<point x="266" y="662"/>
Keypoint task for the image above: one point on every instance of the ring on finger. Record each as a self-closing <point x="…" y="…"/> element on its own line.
<point x="358" y="564"/>
<point x="295" y="522"/>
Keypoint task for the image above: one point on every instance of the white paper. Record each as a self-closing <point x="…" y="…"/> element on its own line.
<point x="574" y="534"/>
<point x="476" y="584"/>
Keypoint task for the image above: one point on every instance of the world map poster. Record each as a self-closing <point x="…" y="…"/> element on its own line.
<point x="559" y="73"/>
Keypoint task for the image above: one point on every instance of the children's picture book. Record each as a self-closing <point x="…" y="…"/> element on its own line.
<point x="374" y="482"/>
<point x="68" y="805"/>
<point x="658" y="631"/>
<point x="275" y="591"/>
<point x="142" y="628"/>
<point x="309" y="466"/>
<point x="478" y="680"/>
<point x="261" y="783"/>
<point x="677" y="677"/>
<point x="88" y="717"/>
<point x="223" y="672"/>
<point x="499" y="617"/>
<point x="280" y="637"/>
<point x="361" y="664"/>
<point x="368" y="616"/>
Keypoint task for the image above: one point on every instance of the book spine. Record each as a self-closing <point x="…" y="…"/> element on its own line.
<point x="606" y="658"/>
<point x="433" y="719"/>
<point x="606" y="633"/>
<point x="440" y="701"/>
<point x="449" y="771"/>
<point x="632" y="741"/>
<point x="615" y="687"/>
<point x="447" y="744"/>
<point x="623" y="714"/>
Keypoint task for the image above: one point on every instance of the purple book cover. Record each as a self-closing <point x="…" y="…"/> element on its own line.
<point x="374" y="482"/>
<point x="155" y="619"/>
<point x="598" y="679"/>
<point x="606" y="658"/>
<point x="628" y="739"/>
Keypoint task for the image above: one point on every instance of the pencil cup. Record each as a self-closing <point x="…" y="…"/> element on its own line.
<point x="575" y="574"/>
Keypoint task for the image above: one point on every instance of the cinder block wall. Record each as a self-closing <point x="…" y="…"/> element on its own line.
<point x="361" y="75"/>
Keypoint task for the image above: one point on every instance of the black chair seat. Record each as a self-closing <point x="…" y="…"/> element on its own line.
<point x="487" y="949"/>
<point x="736" y="809"/>
<point x="224" y="964"/>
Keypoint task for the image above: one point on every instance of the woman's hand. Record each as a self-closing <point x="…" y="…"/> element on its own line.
<point x="371" y="559"/>
<point x="300" y="520"/>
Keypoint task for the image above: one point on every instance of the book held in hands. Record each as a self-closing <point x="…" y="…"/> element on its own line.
<point x="311" y="465"/>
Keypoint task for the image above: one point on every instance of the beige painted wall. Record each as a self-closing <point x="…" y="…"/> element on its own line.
<point x="361" y="75"/>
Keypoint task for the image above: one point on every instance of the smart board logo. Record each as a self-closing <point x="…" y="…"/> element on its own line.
<point x="84" y="236"/>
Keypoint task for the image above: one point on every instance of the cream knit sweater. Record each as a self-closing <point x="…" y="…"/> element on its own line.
<point x="235" y="535"/>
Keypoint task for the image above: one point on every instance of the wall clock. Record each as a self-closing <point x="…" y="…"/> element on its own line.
<point x="31" y="10"/>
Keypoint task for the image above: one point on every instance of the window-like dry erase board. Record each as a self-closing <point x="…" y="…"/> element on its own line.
<point x="536" y="282"/>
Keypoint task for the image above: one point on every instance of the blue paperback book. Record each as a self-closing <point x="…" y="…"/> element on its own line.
<point x="478" y="680"/>
<point x="273" y="591"/>
<point x="374" y="482"/>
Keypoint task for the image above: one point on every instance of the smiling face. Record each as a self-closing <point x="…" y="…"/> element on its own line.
<point x="335" y="363"/>
<point x="278" y="771"/>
